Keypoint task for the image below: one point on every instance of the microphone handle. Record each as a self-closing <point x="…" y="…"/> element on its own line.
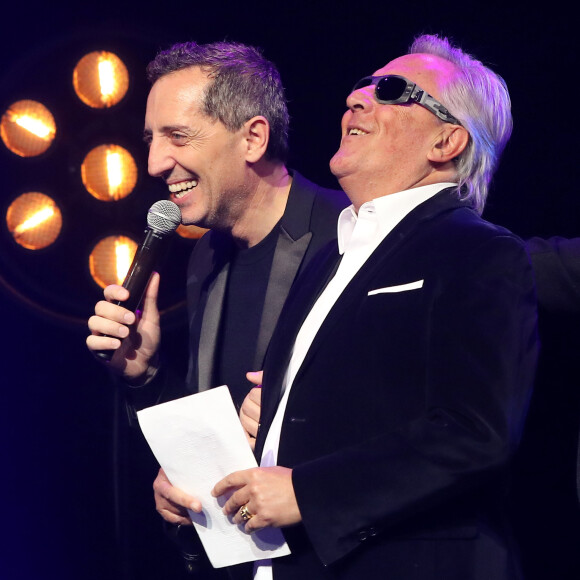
<point x="138" y="276"/>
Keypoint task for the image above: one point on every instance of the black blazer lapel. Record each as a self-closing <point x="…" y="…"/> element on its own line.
<point x="291" y="247"/>
<point x="209" y="330"/>
<point x="208" y="272"/>
<point x="300" y="301"/>
<point x="286" y="262"/>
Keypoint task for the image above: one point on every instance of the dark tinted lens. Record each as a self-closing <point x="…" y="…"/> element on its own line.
<point x="391" y="88"/>
<point x="364" y="82"/>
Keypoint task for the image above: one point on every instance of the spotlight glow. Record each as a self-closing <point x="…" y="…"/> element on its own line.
<point x="27" y="128"/>
<point x="123" y="257"/>
<point x="107" y="79"/>
<point x="111" y="259"/>
<point x="114" y="170"/>
<point x="100" y="79"/>
<point x="109" y="172"/>
<point x="34" y="220"/>
<point x="34" y="126"/>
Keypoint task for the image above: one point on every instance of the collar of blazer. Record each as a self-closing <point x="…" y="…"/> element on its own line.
<point x="296" y="218"/>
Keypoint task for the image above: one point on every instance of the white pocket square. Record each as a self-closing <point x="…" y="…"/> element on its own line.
<point x="399" y="288"/>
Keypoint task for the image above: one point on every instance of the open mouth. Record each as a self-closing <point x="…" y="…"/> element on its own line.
<point x="182" y="188"/>
<point x="356" y="131"/>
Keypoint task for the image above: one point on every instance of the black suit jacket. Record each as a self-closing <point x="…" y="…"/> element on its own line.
<point x="308" y="223"/>
<point x="408" y="405"/>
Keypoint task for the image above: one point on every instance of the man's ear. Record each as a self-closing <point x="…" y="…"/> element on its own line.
<point x="450" y="143"/>
<point x="257" y="135"/>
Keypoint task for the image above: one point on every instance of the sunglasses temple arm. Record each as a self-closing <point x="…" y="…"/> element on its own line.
<point x="427" y="101"/>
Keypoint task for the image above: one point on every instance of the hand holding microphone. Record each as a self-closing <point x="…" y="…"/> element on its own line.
<point x="162" y="219"/>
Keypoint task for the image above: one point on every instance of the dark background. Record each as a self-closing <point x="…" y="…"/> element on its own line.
<point x="76" y="483"/>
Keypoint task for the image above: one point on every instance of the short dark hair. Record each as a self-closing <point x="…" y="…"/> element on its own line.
<point x="245" y="84"/>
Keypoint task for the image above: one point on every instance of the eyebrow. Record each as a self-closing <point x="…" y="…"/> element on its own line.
<point x="147" y="133"/>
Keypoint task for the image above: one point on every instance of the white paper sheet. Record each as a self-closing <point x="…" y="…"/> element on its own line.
<point x="198" y="440"/>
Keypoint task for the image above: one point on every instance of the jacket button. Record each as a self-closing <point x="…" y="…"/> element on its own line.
<point x="297" y="420"/>
<point x="362" y="535"/>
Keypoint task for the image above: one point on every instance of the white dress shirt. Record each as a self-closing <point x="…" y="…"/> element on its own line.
<point x="358" y="237"/>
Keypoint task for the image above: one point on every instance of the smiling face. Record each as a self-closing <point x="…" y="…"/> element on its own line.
<point x="203" y="164"/>
<point x="388" y="148"/>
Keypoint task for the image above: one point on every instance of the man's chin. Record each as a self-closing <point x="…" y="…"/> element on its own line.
<point x="335" y="166"/>
<point x="339" y="165"/>
<point x="193" y="219"/>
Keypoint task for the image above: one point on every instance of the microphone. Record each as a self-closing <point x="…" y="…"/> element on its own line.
<point x="163" y="218"/>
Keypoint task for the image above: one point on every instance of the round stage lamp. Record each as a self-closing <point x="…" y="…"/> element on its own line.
<point x="190" y="232"/>
<point x="109" y="172"/>
<point x="34" y="220"/>
<point x="100" y="79"/>
<point x="27" y="128"/>
<point x="111" y="259"/>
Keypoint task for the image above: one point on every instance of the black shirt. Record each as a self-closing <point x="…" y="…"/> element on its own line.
<point x="244" y="301"/>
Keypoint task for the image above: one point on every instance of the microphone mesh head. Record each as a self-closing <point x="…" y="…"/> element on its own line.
<point x="164" y="216"/>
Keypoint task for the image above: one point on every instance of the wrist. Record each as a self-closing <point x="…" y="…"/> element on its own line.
<point x="145" y="378"/>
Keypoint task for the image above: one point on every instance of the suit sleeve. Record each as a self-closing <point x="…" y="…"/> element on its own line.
<point x="481" y="347"/>
<point x="556" y="263"/>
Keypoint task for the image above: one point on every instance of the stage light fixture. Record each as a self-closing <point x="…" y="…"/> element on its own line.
<point x="100" y="79"/>
<point x="88" y="189"/>
<point x="27" y="128"/>
<point x="110" y="260"/>
<point x="109" y="172"/>
<point x="34" y="220"/>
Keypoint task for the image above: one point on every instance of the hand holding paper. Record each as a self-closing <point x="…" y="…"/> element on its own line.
<point x="198" y="440"/>
<point x="267" y="492"/>
<point x="172" y="503"/>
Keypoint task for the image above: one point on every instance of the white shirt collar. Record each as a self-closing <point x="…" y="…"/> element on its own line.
<point x="387" y="210"/>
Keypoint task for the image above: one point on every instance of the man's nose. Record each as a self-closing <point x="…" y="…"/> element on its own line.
<point x="160" y="161"/>
<point x="362" y="98"/>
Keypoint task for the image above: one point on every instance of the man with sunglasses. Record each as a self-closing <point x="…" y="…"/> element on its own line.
<point x="397" y="380"/>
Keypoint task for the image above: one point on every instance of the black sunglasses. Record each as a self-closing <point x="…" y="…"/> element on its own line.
<point x="397" y="90"/>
